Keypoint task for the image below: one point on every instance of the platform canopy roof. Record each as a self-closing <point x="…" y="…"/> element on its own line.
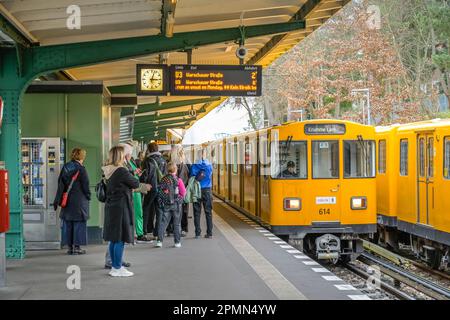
<point x="44" y="22"/>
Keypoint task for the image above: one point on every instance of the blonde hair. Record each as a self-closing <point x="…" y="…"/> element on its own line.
<point x="116" y="156"/>
<point x="177" y="154"/>
<point x="171" y="167"/>
<point x="78" y="154"/>
<point x="128" y="149"/>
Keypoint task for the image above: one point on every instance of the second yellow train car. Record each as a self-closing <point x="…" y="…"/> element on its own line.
<point x="414" y="188"/>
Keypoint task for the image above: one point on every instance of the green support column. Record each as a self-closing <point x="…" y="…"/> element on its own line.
<point x="10" y="143"/>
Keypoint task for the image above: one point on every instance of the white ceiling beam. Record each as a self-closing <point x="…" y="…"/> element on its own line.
<point x="31" y="5"/>
<point x="86" y="11"/>
<point x="72" y="37"/>
<point x="112" y="19"/>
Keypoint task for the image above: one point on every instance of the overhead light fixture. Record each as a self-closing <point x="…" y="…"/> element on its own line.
<point x="170" y="22"/>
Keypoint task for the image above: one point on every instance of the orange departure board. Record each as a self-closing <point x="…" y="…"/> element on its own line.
<point x="215" y="80"/>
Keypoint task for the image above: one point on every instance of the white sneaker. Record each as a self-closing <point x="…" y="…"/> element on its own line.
<point x="158" y="244"/>
<point x="125" y="273"/>
<point x="114" y="272"/>
<point x="178" y="245"/>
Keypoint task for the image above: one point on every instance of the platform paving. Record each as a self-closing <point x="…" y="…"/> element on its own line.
<point x="242" y="261"/>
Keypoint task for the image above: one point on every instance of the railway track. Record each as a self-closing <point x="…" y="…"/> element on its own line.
<point x="383" y="285"/>
<point x="400" y="275"/>
<point x="395" y="269"/>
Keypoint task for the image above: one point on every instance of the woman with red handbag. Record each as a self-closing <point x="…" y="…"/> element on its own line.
<point x="73" y="197"/>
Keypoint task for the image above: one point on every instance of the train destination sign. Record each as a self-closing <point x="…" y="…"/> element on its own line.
<point x="325" y="128"/>
<point x="199" y="80"/>
<point x="211" y="80"/>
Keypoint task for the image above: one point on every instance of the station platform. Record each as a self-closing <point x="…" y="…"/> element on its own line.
<point x="243" y="261"/>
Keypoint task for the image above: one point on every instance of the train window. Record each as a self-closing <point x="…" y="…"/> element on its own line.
<point x="235" y="158"/>
<point x="325" y="159"/>
<point x="220" y="160"/>
<point x="382" y="156"/>
<point x="359" y="159"/>
<point x="404" y="157"/>
<point x="430" y="156"/>
<point x="447" y="158"/>
<point x="422" y="157"/>
<point x="214" y="156"/>
<point x="290" y="160"/>
<point x="248" y="158"/>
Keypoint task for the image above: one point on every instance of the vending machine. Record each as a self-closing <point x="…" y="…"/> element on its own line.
<point x="42" y="160"/>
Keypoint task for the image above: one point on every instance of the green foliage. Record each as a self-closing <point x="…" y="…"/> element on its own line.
<point x="442" y="61"/>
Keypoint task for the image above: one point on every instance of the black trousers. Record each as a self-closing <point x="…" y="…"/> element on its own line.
<point x="151" y="216"/>
<point x="206" y="202"/>
<point x="184" y="217"/>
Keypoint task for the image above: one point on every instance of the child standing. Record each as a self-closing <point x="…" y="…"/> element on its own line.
<point x="171" y="192"/>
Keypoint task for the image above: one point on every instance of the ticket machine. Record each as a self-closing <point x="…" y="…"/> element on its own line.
<point x="42" y="160"/>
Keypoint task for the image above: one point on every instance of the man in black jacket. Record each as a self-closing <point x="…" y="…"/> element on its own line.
<point x="154" y="167"/>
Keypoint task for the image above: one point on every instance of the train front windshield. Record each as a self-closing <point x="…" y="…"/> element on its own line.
<point x="359" y="159"/>
<point x="289" y="160"/>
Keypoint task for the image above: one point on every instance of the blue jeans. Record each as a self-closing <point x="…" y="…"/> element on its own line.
<point x="171" y="212"/>
<point x="116" y="253"/>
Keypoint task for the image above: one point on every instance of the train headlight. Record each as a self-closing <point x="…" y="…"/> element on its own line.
<point x="358" y="203"/>
<point x="292" y="204"/>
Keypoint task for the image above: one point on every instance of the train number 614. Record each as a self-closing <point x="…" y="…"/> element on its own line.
<point x="324" y="211"/>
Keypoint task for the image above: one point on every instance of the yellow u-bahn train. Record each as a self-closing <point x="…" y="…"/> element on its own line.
<point x="312" y="182"/>
<point x="413" y="188"/>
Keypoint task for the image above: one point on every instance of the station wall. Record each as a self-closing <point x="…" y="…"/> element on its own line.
<point x="83" y="120"/>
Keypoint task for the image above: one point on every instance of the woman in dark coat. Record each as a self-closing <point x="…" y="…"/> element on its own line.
<point x="118" y="228"/>
<point x="76" y="213"/>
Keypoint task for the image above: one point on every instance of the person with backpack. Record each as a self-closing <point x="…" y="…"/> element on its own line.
<point x="119" y="216"/>
<point x="178" y="157"/>
<point x="154" y="168"/>
<point x="73" y="195"/>
<point x="171" y="192"/>
<point x="202" y="171"/>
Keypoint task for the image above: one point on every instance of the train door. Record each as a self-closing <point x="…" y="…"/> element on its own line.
<point x="264" y="175"/>
<point x="425" y="176"/>
<point x="326" y="180"/>
<point x="257" y="177"/>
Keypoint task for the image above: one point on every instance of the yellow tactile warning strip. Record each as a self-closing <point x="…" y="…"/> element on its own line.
<point x="279" y="285"/>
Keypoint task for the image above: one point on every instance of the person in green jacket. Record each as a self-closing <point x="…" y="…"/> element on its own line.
<point x="137" y="195"/>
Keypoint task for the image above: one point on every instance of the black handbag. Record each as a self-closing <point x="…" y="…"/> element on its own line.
<point x="100" y="190"/>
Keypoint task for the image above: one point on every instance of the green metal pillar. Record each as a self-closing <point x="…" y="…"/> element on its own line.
<point x="11" y="89"/>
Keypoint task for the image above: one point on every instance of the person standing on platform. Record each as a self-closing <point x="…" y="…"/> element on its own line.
<point x="154" y="168"/>
<point x="137" y="195"/>
<point x="140" y="159"/>
<point x="119" y="215"/>
<point x="75" y="212"/>
<point x="178" y="157"/>
<point x="202" y="171"/>
<point x="171" y="192"/>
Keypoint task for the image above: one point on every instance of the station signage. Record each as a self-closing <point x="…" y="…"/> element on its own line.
<point x="199" y="80"/>
<point x="324" y="128"/>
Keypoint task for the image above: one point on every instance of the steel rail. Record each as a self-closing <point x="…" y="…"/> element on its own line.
<point x="385" y="286"/>
<point x="423" y="285"/>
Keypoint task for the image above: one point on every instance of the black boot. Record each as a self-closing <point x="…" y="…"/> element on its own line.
<point x="78" y="250"/>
